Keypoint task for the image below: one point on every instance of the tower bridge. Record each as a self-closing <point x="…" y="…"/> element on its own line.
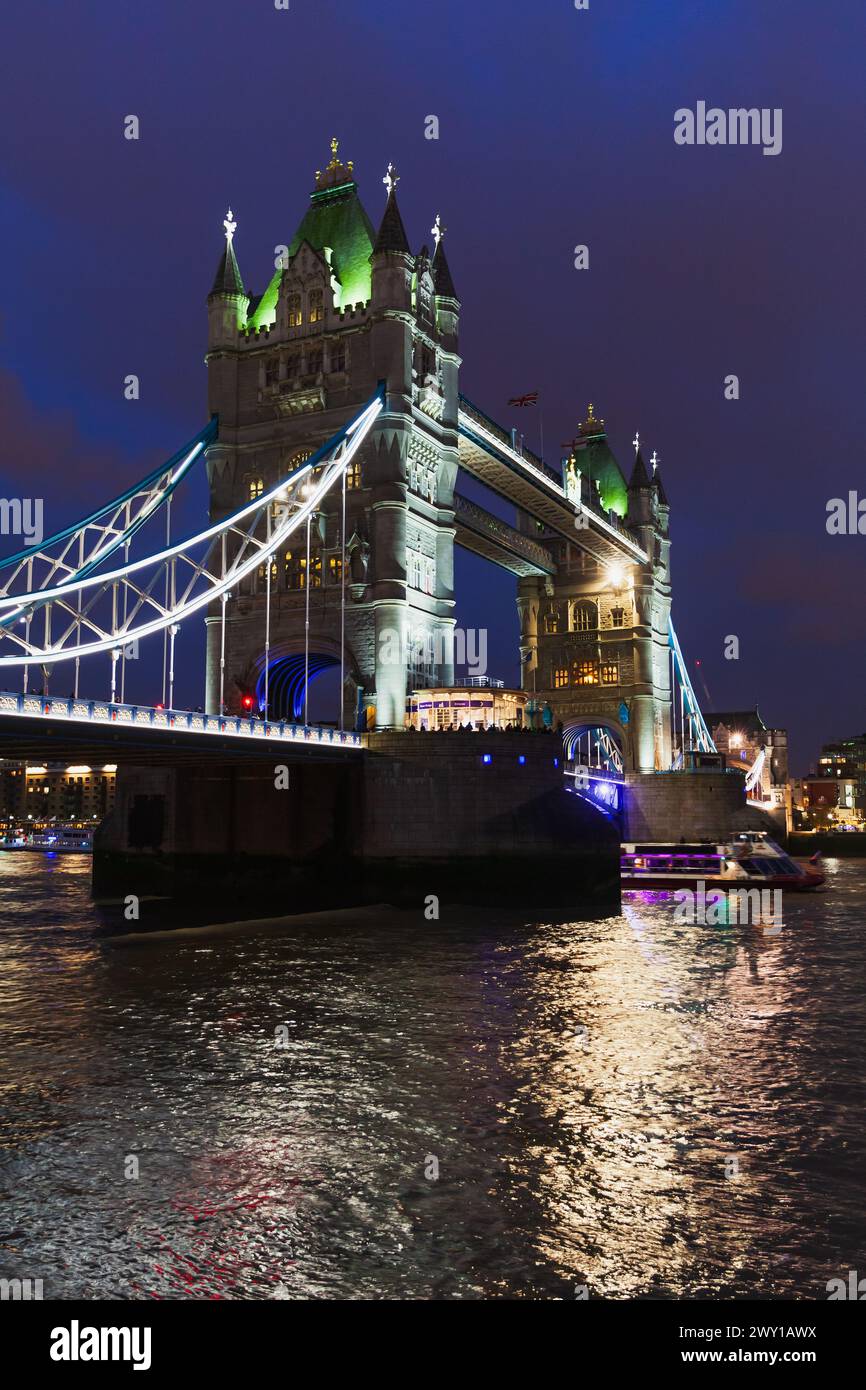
<point x="336" y="438"/>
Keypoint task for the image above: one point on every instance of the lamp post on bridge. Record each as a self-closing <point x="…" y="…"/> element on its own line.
<point x="173" y="631"/>
<point x="116" y="654"/>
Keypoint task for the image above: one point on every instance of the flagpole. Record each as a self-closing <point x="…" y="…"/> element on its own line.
<point x="541" y="425"/>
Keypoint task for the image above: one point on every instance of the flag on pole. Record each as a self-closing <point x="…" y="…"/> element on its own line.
<point x="530" y="399"/>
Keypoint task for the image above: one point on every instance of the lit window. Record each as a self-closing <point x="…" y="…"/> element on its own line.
<point x="560" y="677"/>
<point x="317" y="306"/>
<point x="335" y="568"/>
<point x="610" y="672"/>
<point x="257" y="487"/>
<point x="584" y="673"/>
<point x="353" y="474"/>
<point x="315" y="570"/>
<point x="294" y="306"/>
<point x="551" y="621"/>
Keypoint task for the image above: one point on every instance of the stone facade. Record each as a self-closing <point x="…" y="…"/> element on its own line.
<point x="347" y="309"/>
<point x="594" y="639"/>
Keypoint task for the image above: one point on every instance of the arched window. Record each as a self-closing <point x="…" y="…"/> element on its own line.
<point x="560" y="677"/>
<point x="610" y="672"/>
<point x="293" y="304"/>
<point x="272" y="371"/>
<point x="584" y="616"/>
<point x="353" y="474"/>
<point x="317" y="306"/>
<point x="257" y="487"/>
<point x="551" y="620"/>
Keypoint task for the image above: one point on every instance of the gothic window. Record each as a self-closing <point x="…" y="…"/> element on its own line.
<point x="353" y="474"/>
<point x="610" y="672"/>
<point x="293" y="366"/>
<point x="296" y="570"/>
<point x="338" y="357"/>
<point x="272" y="371"/>
<point x="551" y="621"/>
<point x="293" y="304"/>
<point x="617" y="617"/>
<point x="257" y="487"/>
<point x="315" y="361"/>
<point x="429" y="576"/>
<point x="262" y="574"/>
<point x="317" y="306"/>
<point x="585" y="616"/>
<point x="335" y="568"/>
<point x="560" y="677"/>
<point x="293" y="570"/>
<point x="413" y="569"/>
<point x="584" y="673"/>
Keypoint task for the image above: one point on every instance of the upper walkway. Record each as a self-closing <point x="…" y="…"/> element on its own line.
<point x="488" y="452"/>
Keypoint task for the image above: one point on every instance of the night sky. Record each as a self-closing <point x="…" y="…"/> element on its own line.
<point x="556" y="128"/>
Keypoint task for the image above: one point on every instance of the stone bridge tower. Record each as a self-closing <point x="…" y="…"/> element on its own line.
<point x="347" y="308"/>
<point x="594" y="638"/>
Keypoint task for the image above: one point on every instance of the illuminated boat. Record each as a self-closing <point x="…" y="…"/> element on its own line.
<point x="750" y="859"/>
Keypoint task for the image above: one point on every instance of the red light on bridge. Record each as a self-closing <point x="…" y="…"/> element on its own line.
<point x="248" y="702"/>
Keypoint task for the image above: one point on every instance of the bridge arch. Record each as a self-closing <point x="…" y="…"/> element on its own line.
<point x="598" y="739"/>
<point x="291" y="670"/>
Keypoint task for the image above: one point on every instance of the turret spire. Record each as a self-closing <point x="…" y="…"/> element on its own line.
<point x="442" y="281"/>
<point x="392" y="234"/>
<point x="228" y="277"/>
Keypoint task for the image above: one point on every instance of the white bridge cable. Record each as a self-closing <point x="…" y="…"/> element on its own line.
<point x="689" y="704"/>
<point x="199" y="567"/>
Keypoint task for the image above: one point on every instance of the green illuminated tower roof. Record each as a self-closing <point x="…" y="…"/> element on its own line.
<point x="337" y="220"/>
<point x="596" y="462"/>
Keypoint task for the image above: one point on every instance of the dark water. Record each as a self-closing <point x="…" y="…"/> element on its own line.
<point x="565" y="1158"/>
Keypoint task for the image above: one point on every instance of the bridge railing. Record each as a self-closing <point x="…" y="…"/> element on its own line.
<point x="172" y="720"/>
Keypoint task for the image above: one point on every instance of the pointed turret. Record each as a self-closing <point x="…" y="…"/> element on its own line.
<point x="392" y="234"/>
<point x="640" y="478"/>
<point x="228" y="277"/>
<point x="442" y="281"/>
<point x="228" y="301"/>
<point x="663" y="497"/>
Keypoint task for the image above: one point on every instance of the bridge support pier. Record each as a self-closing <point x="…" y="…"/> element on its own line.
<point x="456" y="818"/>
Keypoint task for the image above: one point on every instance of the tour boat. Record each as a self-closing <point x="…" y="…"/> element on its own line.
<point x="750" y="858"/>
<point x="62" y="839"/>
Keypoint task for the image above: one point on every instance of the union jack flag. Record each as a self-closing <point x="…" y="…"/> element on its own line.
<point x="530" y="399"/>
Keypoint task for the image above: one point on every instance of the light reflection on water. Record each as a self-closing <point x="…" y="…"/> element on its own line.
<point x="582" y="1088"/>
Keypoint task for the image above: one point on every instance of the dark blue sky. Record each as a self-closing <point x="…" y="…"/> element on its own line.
<point x="556" y="128"/>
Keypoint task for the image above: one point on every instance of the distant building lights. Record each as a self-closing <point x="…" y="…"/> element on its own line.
<point x="487" y="757"/>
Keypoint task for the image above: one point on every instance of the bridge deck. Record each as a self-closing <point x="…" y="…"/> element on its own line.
<point x="42" y="728"/>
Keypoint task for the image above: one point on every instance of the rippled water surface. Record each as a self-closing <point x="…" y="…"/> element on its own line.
<point x="584" y="1090"/>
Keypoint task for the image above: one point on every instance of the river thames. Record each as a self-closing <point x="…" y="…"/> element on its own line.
<point x="387" y="1107"/>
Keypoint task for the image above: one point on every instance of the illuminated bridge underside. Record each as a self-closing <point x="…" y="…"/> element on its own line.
<point x="484" y="534"/>
<point x="486" y="453"/>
